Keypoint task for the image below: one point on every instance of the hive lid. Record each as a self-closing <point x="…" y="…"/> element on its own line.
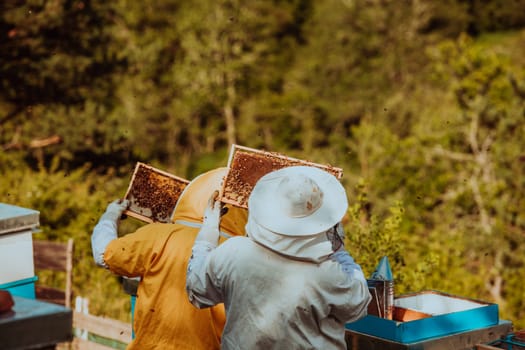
<point x="153" y="193"/>
<point x="247" y="165"/>
<point x="437" y="303"/>
<point x="446" y="314"/>
<point x="15" y="219"/>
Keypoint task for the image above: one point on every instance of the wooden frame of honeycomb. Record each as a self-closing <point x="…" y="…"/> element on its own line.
<point x="153" y="194"/>
<point x="247" y="165"/>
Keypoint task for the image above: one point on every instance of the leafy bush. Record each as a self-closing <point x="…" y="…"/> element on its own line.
<point x="70" y="204"/>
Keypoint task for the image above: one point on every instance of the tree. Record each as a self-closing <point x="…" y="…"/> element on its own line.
<point x="70" y="204"/>
<point x="56" y="55"/>
<point x="460" y="177"/>
<point x="236" y="52"/>
<point x="488" y="142"/>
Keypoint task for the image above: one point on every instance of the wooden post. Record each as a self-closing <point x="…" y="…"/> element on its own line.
<point x="69" y="272"/>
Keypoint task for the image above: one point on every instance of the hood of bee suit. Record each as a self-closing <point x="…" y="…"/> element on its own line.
<point x="190" y="207"/>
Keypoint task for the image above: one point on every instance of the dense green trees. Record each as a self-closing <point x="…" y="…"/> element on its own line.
<point x="420" y="102"/>
<point x="57" y="66"/>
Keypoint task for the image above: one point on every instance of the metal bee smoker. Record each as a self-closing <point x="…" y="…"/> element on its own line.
<point x="381" y="287"/>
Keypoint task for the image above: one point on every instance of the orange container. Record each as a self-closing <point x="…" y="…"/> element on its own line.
<point x="402" y="314"/>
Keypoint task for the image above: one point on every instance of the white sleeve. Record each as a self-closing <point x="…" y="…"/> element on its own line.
<point x="104" y="232"/>
<point x="356" y="303"/>
<point x="202" y="286"/>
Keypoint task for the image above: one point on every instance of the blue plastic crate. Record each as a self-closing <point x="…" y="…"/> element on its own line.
<point x="24" y="288"/>
<point x="455" y="320"/>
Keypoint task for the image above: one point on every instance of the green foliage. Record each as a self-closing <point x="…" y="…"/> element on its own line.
<point x="452" y="170"/>
<point x="70" y="204"/>
<point x="370" y="237"/>
<point x="57" y="72"/>
<point x="54" y="51"/>
<point x="497" y="15"/>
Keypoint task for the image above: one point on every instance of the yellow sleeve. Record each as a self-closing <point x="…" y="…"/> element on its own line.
<point x="132" y="254"/>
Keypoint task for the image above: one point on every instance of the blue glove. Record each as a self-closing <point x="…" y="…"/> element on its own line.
<point x="349" y="266"/>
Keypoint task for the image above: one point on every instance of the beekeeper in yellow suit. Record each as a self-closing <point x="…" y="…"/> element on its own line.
<point x="158" y="253"/>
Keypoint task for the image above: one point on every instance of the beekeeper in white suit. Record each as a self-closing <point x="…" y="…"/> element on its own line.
<point x="290" y="284"/>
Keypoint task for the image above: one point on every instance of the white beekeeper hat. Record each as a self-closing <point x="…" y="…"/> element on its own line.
<point x="298" y="201"/>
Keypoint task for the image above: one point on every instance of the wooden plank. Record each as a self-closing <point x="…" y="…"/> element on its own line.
<point x="58" y="257"/>
<point x="69" y="273"/>
<point x="81" y="344"/>
<point x="486" y="347"/>
<point x="51" y="295"/>
<point x="64" y="346"/>
<point x="49" y="255"/>
<point x="102" y="326"/>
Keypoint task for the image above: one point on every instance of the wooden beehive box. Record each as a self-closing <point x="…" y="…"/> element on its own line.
<point x="153" y="194"/>
<point x="247" y="165"/>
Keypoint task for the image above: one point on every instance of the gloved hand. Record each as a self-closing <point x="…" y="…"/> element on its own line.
<point x="106" y="229"/>
<point x="115" y="209"/>
<point x="209" y="231"/>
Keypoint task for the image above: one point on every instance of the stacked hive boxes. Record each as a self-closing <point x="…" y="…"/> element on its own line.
<point x="17" y="272"/>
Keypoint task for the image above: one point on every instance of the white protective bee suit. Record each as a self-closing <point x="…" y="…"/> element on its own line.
<point x="290" y="284"/>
